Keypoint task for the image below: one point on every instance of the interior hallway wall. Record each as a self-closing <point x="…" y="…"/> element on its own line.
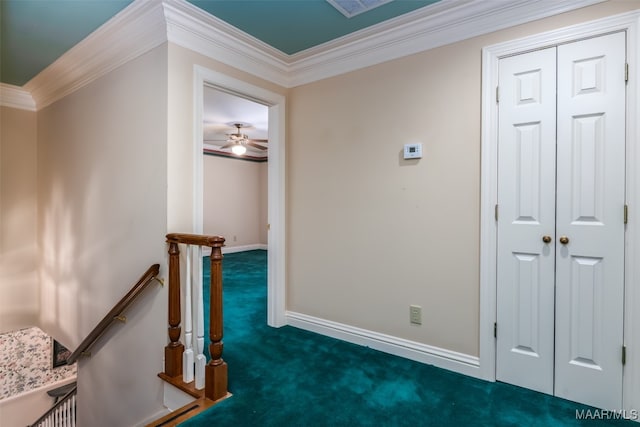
<point x="370" y="233"/>
<point x="234" y="200"/>
<point x="20" y="303"/>
<point x="102" y="186"/>
<point x="180" y="130"/>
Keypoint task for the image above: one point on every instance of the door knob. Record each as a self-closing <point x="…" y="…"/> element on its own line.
<point x="546" y="239"/>
<point x="564" y="240"/>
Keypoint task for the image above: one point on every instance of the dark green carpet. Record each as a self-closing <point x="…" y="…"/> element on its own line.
<point x="290" y="377"/>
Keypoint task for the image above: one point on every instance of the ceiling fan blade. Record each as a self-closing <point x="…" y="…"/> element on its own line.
<point x="228" y="145"/>
<point x="218" y="127"/>
<point x="262" y="141"/>
<point x="254" y="145"/>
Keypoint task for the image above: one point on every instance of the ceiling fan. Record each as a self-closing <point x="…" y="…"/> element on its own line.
<point x="238" y="141"/>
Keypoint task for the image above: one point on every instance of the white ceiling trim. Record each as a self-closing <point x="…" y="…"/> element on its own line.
<point x="16" y="97"/>
<point x="446" y="22"/>
<point x="407" y="20"/>
<point x="190" y="27"/>
<point x="134" y="31"/>
<point x="441" y="23"/>
<point x="145" y="24"/>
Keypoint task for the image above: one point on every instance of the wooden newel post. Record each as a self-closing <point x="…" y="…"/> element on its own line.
<point x="173" y="351"/>
<point x="216" y="369"/>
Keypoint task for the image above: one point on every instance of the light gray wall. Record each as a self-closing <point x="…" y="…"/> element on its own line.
<point x="20" y="302"/>
<point x="102" y="185"/>
<point x="235" y="200"/>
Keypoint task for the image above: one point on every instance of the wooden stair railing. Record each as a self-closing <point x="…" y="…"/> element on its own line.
<point x="116" y="313"/>
<point x="215" y="383"/>
<point x="62" y="413"/>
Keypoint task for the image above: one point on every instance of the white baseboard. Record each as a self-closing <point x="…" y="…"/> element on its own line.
<point x="153" y="417"/>
<point x="439" y="357"/>
<point x="232" y="249"/>
<point x="175" y="398"/>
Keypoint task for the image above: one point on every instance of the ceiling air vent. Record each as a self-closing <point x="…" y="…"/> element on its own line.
<point x="351" y="8"/>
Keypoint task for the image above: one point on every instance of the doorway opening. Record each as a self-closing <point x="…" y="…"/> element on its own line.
<point x="235" y="185"/>
<point x="249" y="96"/>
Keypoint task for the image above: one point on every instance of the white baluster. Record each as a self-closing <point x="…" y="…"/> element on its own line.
<point x="73" y="410"/>
<point x="187" y="356"/>
<point x="201" y="360"/>
<point x="67" y="413"/>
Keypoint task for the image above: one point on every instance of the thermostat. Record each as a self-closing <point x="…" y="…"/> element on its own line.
<point x="412" y="151"/>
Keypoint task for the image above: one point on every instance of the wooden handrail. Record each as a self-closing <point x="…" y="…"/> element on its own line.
<point x="115" y="313"/>
<point x="195" y="239"/>
<point x="216" y="369"/>
<point x="55" y="407"/>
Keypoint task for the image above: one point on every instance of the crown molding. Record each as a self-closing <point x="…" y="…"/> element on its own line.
<point x="146" y="24"/>
<point x="134" y="31"/>
<point x="442" y="23"/>
<point x="190" y="27"/>
<point x="16" y="97"/>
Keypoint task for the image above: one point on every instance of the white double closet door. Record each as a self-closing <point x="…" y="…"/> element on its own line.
<point x="561" y="196"/>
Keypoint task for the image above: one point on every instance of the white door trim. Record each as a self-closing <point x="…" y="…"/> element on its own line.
<point x="275" y="171"/>
<point x="629" y="22"/>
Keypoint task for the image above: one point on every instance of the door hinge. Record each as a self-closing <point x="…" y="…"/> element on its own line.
<point x="497" y="94"/>
<point x="624" y="354"/>
<point x="626" y="72"/>
<point x="626" y="214"/>
<point x="495" y="212"/>
<point x="495" y="329"/>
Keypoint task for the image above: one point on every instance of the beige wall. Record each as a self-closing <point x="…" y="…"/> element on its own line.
<point x="369" y="234"/>
<point x="263" y="194"/>
<point x="181" y="125"/>
<point x="102" y="182"/>
<point x="20" y="303"/>
<point x="234" y="200"/>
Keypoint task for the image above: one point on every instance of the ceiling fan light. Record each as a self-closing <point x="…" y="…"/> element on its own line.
<point x="238" y="149"/>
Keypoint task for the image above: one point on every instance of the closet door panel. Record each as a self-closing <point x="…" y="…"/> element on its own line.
<point x="526" y="197"/>
<point x="590" y="203"/>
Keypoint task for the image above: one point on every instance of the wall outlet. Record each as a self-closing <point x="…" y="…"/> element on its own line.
<point x="415" y="314"/>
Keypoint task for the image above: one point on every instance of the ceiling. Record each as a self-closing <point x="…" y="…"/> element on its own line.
<point x="221" y="110"/>
<point x="34" y="33"/>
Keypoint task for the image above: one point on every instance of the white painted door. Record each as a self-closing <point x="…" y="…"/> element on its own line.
<point x="560" y="228"/>
<point x="526" y="195"/>
<point x="590" y="211"/>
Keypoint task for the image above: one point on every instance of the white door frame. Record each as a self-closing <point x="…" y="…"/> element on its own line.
<point x="276" y="278"/>
<point x="629" y="22"/>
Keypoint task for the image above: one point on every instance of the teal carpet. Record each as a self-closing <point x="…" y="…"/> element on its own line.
<point x="290" y="377"/>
